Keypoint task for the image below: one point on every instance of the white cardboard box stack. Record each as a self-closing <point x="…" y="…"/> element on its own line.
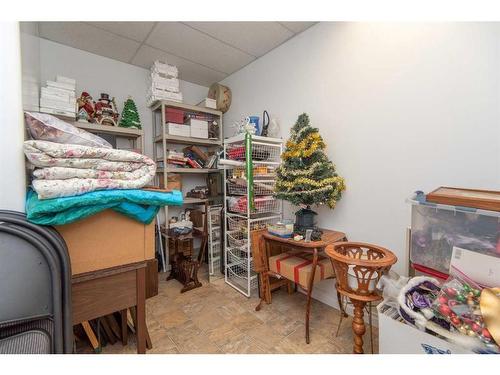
<point x="164" y="83"/>
<point x="58" y="97"/>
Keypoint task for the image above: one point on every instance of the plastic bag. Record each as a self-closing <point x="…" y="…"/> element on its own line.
<point x="458" y="303"/>
<point x="45" y="127"/>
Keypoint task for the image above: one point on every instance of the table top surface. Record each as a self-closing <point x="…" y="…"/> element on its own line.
<point x="328" y="237"/>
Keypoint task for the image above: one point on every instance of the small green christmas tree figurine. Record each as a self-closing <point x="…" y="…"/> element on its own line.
<point x="130" y="115"/>
<point x="306" y="176"/>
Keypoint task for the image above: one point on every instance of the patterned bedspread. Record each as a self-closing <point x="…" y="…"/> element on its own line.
<point x="67" y="170"/>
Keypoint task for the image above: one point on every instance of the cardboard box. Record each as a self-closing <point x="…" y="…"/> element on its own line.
<point x="178" y="129"/>
<point x="482" y="269"/>
<point x="396" y="337"/>
<point x="174" y="181"/>
<point x="298" y="267"/>
<point x="174" y="115"/>
<point x="107" y="239"/>
<point x="208" y="103"/>
<point x="199" y="128"/>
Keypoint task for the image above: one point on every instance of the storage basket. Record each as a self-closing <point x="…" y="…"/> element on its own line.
<point x="237" y="238"/>
<point x="262" y="205"/>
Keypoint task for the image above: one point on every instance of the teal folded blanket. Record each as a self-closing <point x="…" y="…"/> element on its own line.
<point x="141" y="205"/>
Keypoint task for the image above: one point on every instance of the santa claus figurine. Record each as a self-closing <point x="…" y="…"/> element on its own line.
<point x="105" y="111"/>
<point x="86" y="108"/>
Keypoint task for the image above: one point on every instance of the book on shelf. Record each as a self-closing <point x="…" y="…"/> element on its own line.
<point x="181" y="163"/>
<point x="198" y="152"/>
<point x="193" y="157"/>
<point x="193" y="163"/>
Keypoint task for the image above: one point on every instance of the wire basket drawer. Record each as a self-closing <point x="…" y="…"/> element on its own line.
<point x="263" y="204"/>
<point x="260" y="187"/>
<point x="261" y="152"/>
<point x="237" y="238"/>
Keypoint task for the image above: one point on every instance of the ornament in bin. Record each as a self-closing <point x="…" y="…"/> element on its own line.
<point x="459" y="302"/>
<point x="86" y="108"/>
<point x="105" y="111"/>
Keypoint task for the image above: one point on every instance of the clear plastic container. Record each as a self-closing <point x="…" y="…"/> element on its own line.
<point x="437" y="228"/>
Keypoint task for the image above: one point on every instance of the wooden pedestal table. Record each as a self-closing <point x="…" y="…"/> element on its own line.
<point x="358" y="267"/>
<point x="269" y="244"/>
<point x="184" y="267"/>
<point x="358" y="321"/>
<point x="99" y="293"/>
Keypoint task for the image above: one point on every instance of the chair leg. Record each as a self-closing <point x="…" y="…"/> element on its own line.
<point x="94" y="342"/>
<point x="265" y="290"/>
<point x="124" y="327"/>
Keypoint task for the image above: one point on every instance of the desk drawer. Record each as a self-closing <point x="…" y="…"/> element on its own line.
<point x="103" y="296"/>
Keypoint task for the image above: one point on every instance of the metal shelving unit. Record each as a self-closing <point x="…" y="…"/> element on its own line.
<point x="239" y="220"/>
<point x="163" y="139"/>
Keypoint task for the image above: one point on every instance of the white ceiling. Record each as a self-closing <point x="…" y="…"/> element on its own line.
<point x="204" y="52"/>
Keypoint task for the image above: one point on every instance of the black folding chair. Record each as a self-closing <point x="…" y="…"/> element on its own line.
<point x="35" y="288"/>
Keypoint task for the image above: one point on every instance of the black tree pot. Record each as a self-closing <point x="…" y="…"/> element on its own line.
<point x="305" y="219"/>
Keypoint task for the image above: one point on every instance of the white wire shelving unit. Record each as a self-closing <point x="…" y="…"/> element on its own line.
<point x="239" y="220"/>
<point x="214" y="242"/>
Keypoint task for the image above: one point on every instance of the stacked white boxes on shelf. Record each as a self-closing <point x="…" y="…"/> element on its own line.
<point x="58" y="97"/>
<point x="164" y="83"/>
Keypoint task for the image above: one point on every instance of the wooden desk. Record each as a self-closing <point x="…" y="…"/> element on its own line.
<point x="270" y="243"/>
<point x="102" y="292"/>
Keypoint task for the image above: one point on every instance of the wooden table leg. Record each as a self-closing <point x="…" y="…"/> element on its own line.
<point x="141" y="311"/>
<point x="124" y="327"/>
<point x="309" y="291"/>
<point x="358" y="326"/>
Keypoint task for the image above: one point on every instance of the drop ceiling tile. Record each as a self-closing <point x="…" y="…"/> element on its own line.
<point x="190" y="44"/>
<point x="137" y="31"/>
<point x="188" y="71"/>
<point x="255" y="38"/>
<point x="89" y="38"/>
<point x="297" y="27"/>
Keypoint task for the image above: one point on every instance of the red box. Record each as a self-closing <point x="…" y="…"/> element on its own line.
<point x="174" y="115"/>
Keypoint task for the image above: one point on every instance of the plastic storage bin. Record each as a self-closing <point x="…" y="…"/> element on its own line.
<point x="436" y="229"/>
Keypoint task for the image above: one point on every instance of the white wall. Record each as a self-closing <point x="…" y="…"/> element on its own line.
<point x="96" y="74"/>
<point x="12" y="172"/>
<point x="30" y="59"/>
<point x="401" y="107"/>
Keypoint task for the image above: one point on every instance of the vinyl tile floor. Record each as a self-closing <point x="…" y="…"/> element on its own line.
<point x="217" y="319"/>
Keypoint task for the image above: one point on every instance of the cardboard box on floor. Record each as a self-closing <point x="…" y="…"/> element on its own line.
<point x="107" y="239"/>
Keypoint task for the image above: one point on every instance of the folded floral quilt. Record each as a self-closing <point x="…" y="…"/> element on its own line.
<point x="67" y="169"/>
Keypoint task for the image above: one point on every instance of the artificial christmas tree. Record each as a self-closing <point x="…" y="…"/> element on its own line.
<point x="130" y="115"/>
<point x="306" y="176"/>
